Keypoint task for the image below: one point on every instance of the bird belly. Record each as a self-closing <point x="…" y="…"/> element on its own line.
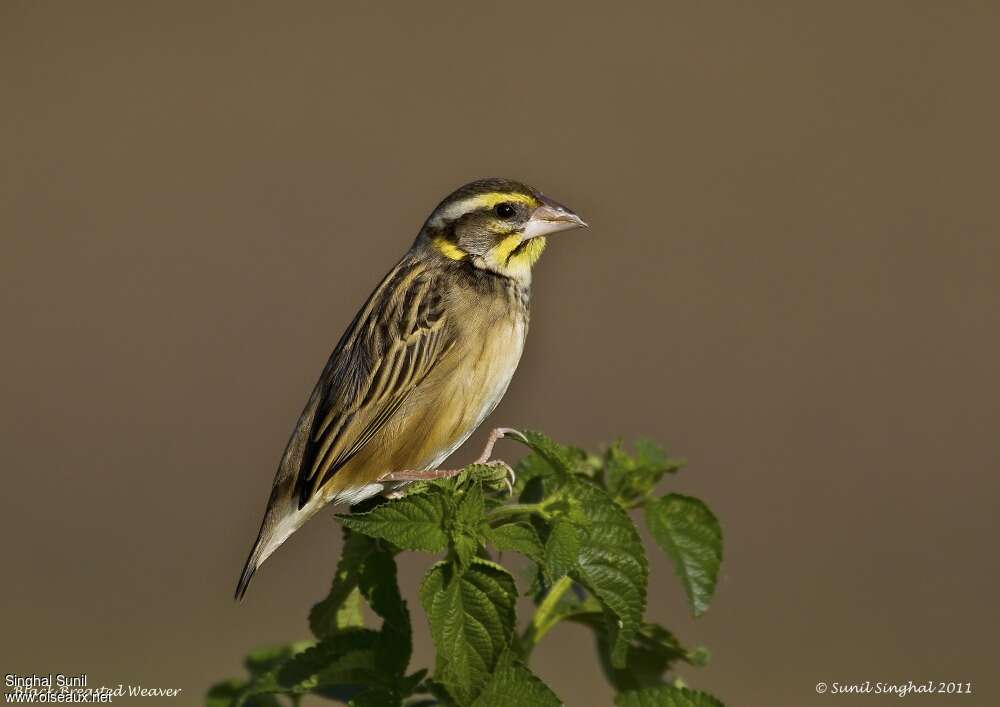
<point x="464" y="394"/>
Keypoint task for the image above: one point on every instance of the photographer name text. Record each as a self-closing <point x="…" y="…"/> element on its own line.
<point x="63" y="687"/>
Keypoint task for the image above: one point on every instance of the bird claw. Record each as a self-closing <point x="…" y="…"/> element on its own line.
<point x="509" y="477"/>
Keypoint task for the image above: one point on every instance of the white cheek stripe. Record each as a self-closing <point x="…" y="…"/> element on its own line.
<point x="473" y="203"/>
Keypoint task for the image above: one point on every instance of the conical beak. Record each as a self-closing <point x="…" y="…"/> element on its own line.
<point x="551" y="217"/>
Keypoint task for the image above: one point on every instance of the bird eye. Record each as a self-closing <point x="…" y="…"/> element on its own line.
<point x="504" y="210"/>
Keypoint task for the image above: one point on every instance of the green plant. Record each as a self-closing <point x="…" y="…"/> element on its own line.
<point x="587" y="565"/>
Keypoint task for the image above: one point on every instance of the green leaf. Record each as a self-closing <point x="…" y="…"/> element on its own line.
<point x="441" y="698"/>
<point x="467" y="526"/>
<point x="380" y="588"/>
<point x="629" y="478"/>
<point x="611" y="562"/>
<point x="376" y="697"/>
<point x="666" y="696"/>
<point x="465" y="547"/>
<point x="261" y="692"/>
<point x="585" y="552"/>
<point x="265" y="660"/>
<point x="563" y="600"/>
<point x="492" y="476"/>
<point x="225" y="694"/>
<point x="472" y="619"/>
<point x="349" y="613"/>
<point x="414" y="522"/>
<point x="328" y="656"/>
<point x="348" y="653"/>
<point x="561" y="458"/>
<point x="341" y="608"/>
<point x="690" y="534"/>
<point x="651" y="652"/>
<point x="514" y="684"/>
<point x="530" y="474"/>
<point x="517" y="537"/>
<point x="562" y="549"/>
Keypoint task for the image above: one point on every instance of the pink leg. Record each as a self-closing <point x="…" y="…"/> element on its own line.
<point x="484" y="458"/>
<point x="497" y="434"/>
<point x="413" y="475"/>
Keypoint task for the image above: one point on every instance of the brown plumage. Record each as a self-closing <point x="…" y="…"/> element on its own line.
<point x="426" y="359"/>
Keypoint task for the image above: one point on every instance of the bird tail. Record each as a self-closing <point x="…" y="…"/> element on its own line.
<point x="254" y="561"/>
<point x="280" y="521"/>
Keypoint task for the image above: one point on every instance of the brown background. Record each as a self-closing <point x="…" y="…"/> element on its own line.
<point x="792" y="279"/>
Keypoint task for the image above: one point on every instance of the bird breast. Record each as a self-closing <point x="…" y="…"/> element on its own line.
<point x="467" y="391"/>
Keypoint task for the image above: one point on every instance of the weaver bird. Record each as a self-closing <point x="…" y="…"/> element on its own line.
<point x="427" y="358"/>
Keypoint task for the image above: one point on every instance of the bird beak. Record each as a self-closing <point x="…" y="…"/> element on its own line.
<point x="551" y="217"/>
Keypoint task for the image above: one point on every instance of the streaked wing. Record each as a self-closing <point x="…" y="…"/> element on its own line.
<point x="389" y="349"/>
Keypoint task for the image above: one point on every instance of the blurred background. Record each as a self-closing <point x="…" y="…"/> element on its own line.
<point x="791" y="279"/>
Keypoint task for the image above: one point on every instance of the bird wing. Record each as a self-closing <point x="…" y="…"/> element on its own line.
<point x="396" y="340"/>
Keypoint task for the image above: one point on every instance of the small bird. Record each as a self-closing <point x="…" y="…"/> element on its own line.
<point x="427" y="358"/>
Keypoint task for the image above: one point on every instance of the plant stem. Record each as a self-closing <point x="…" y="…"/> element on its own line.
<point x="514" y="509"/>
<point x="544" y="618"/>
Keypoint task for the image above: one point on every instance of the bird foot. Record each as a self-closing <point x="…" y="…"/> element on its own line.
<point x="414" y="475"/>
<point x="506" y="474"/>
<point x="509" y="478"/>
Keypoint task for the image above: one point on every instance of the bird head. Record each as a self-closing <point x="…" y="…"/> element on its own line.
<point x="496" y="224"/>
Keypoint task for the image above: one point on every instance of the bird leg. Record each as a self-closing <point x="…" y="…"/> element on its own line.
<point x="484" y="459"/>
<point x="497" y="434"/>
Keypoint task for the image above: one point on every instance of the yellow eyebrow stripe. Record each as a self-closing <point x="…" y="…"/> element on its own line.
<point x="493" y="198"/>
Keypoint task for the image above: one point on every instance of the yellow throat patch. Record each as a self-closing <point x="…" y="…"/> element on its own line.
<point x="447" y="248"/>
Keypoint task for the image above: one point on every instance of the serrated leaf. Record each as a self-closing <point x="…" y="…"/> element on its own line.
<point x="264" y="660"/>
<point x="562" y="549"/>
<point x="561" y="458"/>
<point x="628" y="478"/>
<point x="414" y="522"/>
<point x="466" y="528"/>
<point x="666" y="696"/>
<point x="514" y="684"/>
<point x="347" y="653"/>
<point x="649" y="454"/>
<point x="651" y="652"/>
<point x="617" y="466"/>
<point x="304" y="668"/>
<point x="494" y="476"/>
<point x="472" y="619"/>
<point x="380" y="588"/>
<point x="516" y="537"/>
<point x="465" y="548"/>
<point x="261" y="692"/>
<point x="690" y="534"/>
<point x="611" y="562"/>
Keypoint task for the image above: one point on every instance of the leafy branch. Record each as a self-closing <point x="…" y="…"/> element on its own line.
<point x="587" y="566"/>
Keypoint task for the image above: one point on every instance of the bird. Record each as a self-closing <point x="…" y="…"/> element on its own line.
<point x="426" y="359"/>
